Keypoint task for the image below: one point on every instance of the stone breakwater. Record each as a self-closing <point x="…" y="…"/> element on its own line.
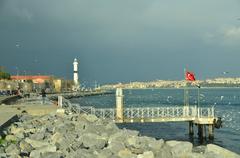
<point x="86" y="136"/>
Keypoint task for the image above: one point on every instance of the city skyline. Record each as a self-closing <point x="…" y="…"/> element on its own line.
<point x="121" y="41"/>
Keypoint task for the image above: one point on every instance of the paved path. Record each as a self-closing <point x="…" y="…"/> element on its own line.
<point x="9" y="112"/>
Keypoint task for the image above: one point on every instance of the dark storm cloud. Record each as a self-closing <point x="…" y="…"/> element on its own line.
<point x="118" y="40"/>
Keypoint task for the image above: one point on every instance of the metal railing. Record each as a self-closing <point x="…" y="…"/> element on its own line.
<point x="176" y="112"/>
<point x="151" y="112"/>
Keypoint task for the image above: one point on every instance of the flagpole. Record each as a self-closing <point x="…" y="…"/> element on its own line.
<point x="198" y="97"/>
<point x="184" y="90"/>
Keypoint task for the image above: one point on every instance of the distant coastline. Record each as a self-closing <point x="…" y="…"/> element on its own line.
<point x="172" y="84"/>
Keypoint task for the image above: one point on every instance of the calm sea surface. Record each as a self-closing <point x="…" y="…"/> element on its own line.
<point x="226" y="102"/>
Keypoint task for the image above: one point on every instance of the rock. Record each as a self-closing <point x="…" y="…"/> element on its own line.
<point x="82" y="153"/>
<point x="164" y="152"/>
<point x="125" y="153"/>
<point x="44" y="150"/>
<point x="90" y="118"/>
<point x="179" y="148"/>
<point x="12" y="149"/>
<point x="25" y="147"/>
<point x="195" y="155"/>
<point x="106" y="153"/>
<point x="96" y="129"/>
<point x="35" y="154"/>
<point x="14" y="130"/>
<point x="172" y="143"/>
<point x="122" y="135"/>
<point x="38" y="136"/>
<point x="57" y="137"/>
<point x="36" y="143"/>
<point x="212" y="155"/>
<point x="52" y="155"/>
<point x="11" y="138"/>
<point x="156" y="145"/>
<point x="147" y="154"/>
<point x="3" y="155"/>
<point x="130" y="132"/>
<point x="115" y="147"/>
<point x="93" y="141"/>
<point x="199" y="149"/>
<point x="30" y="130"/>
<point x="48" y="148"/>
<point x="221" y="151"/>
<point x="133" y="141"/>
<point x="64" y="127"/>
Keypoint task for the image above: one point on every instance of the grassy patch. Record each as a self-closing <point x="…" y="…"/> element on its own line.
<point x="2" y="141"/>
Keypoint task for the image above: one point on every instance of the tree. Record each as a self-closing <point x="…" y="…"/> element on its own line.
<point x="3" y="74"/>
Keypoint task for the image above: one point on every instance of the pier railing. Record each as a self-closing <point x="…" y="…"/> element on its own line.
<point x="175" y="112"/>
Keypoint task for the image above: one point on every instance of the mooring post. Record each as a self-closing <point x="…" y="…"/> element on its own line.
<point x="204" y="131"/>
<point x="210" y="131"/>
<point x="200" y="131"/>
<point x="191" y="131"/>
<point x="119" y="105"/>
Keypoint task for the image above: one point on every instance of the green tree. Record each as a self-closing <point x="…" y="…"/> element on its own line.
<point x="4" y="75"/>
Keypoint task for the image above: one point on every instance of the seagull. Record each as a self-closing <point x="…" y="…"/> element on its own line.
<point x="225" y="72"/>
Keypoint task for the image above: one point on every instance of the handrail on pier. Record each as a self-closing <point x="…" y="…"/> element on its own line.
<point x="151" y="112"/>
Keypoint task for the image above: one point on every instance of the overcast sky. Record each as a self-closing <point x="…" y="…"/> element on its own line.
<point x="121" y="40"/>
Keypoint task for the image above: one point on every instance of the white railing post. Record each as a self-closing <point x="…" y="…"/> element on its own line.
<point x="198" y="112"/>
<point x="119" y="104"/>
<point x="60" y="101"/>
<point x="213" y="111"/>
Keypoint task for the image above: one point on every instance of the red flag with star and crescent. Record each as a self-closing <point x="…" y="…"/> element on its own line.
<point x="189" y="76"/>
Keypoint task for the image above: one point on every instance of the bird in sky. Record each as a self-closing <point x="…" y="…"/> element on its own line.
<point x="225" y="72"/>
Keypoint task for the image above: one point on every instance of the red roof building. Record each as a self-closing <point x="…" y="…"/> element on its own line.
<point x="34" y="79"/>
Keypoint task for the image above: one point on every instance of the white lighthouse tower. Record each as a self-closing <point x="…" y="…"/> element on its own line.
<point x="75" y="75"/>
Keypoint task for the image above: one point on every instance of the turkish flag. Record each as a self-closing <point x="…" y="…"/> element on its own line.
<point x="190" y="76"/>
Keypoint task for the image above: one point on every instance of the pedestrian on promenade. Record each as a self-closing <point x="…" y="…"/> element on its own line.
<point x="43" y="93"/>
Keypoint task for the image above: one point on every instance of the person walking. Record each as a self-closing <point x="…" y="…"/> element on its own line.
<point x="43" y="93"/>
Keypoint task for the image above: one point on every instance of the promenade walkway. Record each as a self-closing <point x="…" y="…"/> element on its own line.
<point x="8" y="113"/>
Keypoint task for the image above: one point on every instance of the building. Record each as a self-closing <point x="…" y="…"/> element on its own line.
<point x="34" y="79"/>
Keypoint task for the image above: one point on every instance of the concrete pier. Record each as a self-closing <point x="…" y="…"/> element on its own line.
<point x="210" y="131"/>
<point x="191" y="130"/>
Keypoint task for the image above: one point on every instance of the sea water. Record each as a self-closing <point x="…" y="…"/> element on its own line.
<point x="225" y="100"/>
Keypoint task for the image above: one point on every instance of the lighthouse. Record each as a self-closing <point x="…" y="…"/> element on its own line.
<point x="75" y="75"/>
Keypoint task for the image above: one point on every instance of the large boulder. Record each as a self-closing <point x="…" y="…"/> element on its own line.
<point x="38" y="136"/>
<point x="93" y="141"/>
<point x="25" y="147"/>
<point x="115" y="147"/>
<point x="90" y="118"/>
<point x="82" y="153"/>
<point x="15" y="130"/>
<point x="126" y="153"/>
<point x="105" y="153"/>
<point x="11" y="138"/>
<point x="164" y="152"/>
<point x="36" y="143"/>
<point x="180" y="149"/>
<point x="146" y="154"/>
<point x="12" y="149"/>
<point x="52" y="155"/>
<point x="156" y="145"/>
<point x="221" y="151"/>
